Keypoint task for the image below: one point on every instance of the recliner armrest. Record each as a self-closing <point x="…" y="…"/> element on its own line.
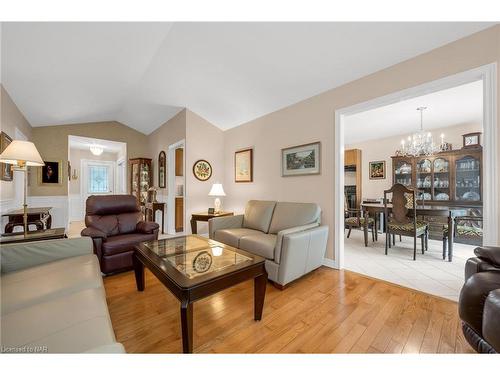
<point x="147" y="227"/>
<point x="93" y="232"/>
<point x="224" y="222"/>
<point x="489" y="254"/>
<point x="473" y="296"/>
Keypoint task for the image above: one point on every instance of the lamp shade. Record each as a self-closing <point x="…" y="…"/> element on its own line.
<point x="217" y="191"/>
<point x="22" y="151"/>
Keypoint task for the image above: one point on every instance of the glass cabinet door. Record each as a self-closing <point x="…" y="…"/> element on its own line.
<point x="424" y="179"/>
<point x="135" y="178"/>
<point x="144" y="182"/>
<point x="468" y="179"/>
<point x="441" y="181"/>
<point x="403" y="172"/>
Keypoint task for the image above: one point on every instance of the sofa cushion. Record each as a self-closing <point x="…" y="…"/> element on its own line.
<point x="49" y="281"/>
<point x="124" y="242"/>
<point x="107" y="224"/>
<point x="72" y="323"/>
<point x="259" y="244"/>
<point x="258" y="215"/>
<point x="232" y="236"/>
<point x="288" y="215"/>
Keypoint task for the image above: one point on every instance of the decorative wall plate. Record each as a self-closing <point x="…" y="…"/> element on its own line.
<point x="202" y="170"/>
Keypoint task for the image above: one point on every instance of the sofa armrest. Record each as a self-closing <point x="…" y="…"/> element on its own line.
<point x="302" y="252"/>
<point x="146" y="227"/>
<point x="15" y="257"/>
<point x="115" y="348"/>
<point x="289" y="231"/>
<point x="93" y="232"/>
<point x="224" y="222"/>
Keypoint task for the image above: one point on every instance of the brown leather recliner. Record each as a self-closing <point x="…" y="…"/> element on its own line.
<point x="479" y="304"/>
<point x="114" y="223"/>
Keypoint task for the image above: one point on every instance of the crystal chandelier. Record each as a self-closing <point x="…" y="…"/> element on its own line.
<point x="420" y="143"/>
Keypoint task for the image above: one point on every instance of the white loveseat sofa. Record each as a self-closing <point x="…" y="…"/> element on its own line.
<point x="53" y="299"/>
<point x="288" y="235"/>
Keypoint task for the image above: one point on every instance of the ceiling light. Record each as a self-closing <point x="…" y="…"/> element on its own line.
<point x="96" y="149"/>
<point x="420" y="143"/>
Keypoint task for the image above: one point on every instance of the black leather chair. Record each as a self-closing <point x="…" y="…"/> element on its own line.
<point x="479" y="304"/>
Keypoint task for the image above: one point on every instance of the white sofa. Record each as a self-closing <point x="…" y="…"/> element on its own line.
<point x="287" y="234"/>
<point x="53" y="299"/>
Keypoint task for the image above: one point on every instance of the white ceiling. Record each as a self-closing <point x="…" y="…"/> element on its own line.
<point x="142" y="74"/>
<point x="84" y="143"/>
<point x="456" y="106"/>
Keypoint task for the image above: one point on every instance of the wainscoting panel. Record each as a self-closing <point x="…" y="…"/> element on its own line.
<point x="59" y="211"/>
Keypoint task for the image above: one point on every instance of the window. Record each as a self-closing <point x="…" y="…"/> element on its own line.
<point x="98" y="179"/>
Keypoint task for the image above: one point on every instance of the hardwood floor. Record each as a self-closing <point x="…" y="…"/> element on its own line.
<point x="327" y="311"/>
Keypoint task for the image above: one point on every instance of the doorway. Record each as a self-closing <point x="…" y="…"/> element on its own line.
<point x="96" y="167"/>
<point x="487" y="77"/>
<point x="176" y="212"/>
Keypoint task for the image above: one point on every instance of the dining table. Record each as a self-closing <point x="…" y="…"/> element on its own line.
<point x="374" y="209"/>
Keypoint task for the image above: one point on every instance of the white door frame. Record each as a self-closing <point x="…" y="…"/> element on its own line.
<point x="171" y="186"/>
<point x="486" y="73"/>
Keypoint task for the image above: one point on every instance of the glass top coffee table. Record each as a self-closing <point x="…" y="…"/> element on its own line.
<point x="194" y="267"/>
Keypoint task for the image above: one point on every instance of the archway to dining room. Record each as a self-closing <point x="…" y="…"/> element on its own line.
<point x="446" y="167"/>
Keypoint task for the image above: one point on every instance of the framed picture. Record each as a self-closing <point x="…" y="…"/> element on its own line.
<point x="162" y="170"/>
<point x="243" y="166"/>
<point x="301" y="160"/>
<point x="377" y="170"/>
<point x="6" y="173"/>
<point x="202" y="170"/>
<point x="51" y="173"/>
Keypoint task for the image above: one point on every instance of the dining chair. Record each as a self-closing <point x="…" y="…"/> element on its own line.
<point x="358" y="218"/>
<point x="400" y="221"/>
<point x="466" y="230"/>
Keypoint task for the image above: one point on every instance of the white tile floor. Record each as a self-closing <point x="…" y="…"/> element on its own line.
<point x="429" y="273"/>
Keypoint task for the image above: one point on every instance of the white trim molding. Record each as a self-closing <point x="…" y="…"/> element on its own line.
<point x="486" y="73"/>
<point x="327" y="262"/>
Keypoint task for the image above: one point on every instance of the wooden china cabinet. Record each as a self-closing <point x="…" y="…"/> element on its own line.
<point x="141" y="178"/>
<point x="449" y="178"/>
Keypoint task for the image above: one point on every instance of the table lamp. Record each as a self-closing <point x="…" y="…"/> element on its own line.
<point x="22" y="154"/>
<point x="217" y="191"/>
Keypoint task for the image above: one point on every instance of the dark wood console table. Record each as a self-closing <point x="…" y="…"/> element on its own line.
<point x="205" y="216"/>
<point x="151" y="209"/>
<point x="39" y="216"/>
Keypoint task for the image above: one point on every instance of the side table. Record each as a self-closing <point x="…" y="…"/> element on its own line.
<point x="151" y="209"/>
<point x="205" y="216"/>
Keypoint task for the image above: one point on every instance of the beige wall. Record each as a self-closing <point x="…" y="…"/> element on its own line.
<point x="203" y="141"/>
<point x="52" y="142"/>
<point x="173" y="131"/>
<point x="383" y="149"/>
<point x="10" y="119"/>
<point x="76" y="156"/>
<point x="314" y="120"/>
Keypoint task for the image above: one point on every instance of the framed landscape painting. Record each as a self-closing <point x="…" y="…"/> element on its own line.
<point x="243" y="166"/>
<point x="301" y="160"/>
<point x="377" y="170"/>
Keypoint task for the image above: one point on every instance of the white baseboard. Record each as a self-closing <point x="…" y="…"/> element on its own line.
<point x="330" y="263"/>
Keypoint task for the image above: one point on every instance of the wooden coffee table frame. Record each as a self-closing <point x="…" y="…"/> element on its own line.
<point x="187" y="291"/>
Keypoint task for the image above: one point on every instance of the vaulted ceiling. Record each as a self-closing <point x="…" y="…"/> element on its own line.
<point x="142" y="74"/>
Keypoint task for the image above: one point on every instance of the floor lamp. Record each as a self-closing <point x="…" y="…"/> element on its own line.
<point x="22" y="154"/>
